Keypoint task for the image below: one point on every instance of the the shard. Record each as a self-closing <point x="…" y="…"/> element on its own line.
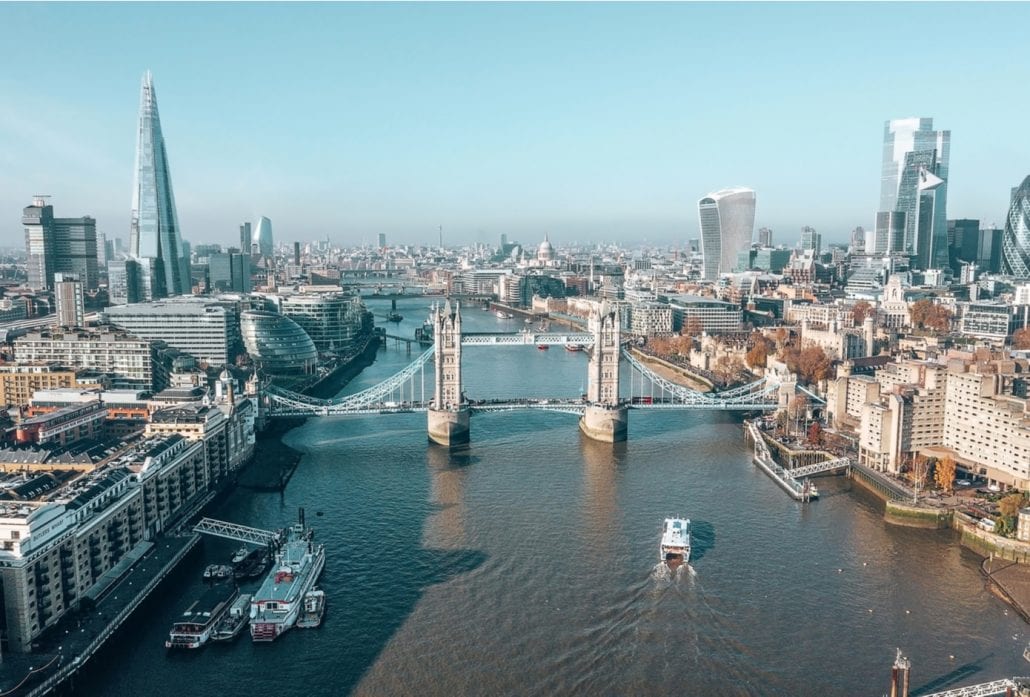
<point x="154" y="239"/>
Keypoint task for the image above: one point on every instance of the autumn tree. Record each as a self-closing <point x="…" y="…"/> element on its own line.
<point x="815" y="433"/>
<point x="1021" y="338"/>
<point x="797" y="409"/>
<point x="791" y="357"/>
<point x="860" y="311"/>
<point x="758" y="355"/>
<point x="944" y="473"/>
<point x="1009" y="506"/>
<point x="939" y="318"/>
<point x="813" y="364"/>
<point x="919" y="312"/>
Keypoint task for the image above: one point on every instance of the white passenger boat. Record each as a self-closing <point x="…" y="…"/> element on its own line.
<point x="675" y="545"/>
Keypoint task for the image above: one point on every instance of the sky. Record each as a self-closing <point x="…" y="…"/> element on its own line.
<point x="587" y="122"/>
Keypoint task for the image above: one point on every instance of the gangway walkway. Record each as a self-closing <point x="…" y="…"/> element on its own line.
<point x="995" y="687"/>
<point x="801" y="491"/>
<point x="233" y="531"/>
<point x="829" y="465"/>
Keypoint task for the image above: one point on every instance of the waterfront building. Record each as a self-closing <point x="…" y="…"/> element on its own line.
<point x="277" y="344"/>
<point x="263" y="237"/>
<point x="650" y="319"/>
<point x="57" y="555"/>
<point x="1015" y="244"/>
<point x="131" y="362"/>
<point x="201" y="423"/>
<point x="54" y="245"/>
<point x="154" y="235"/>
<point x="334" y="321"/>
<point x="69" y="300"/>
<point x="202" y="327"/>
<point x="63" y="426"/>
<point x="914" y="181"/>
<point x="708" y="314"/>
<point x="727" y="221"/>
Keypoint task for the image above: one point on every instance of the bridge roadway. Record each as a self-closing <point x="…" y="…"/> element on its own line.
<point x="527" y="338"/>
<point x="573" y="405"/>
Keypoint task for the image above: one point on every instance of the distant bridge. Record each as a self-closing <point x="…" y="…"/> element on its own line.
<point x="406" y="391"/>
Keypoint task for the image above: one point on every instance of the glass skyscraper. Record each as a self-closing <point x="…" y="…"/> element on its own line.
<point x="727" y="220"/>
<point x="263" y="237"/>
<point x="154" y="238"/>
<point x="915" y="157"/>
<point x="1015" y="244"/>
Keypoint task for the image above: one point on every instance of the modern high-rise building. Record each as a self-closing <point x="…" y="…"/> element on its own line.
<point x="54" y="245"/>
<point x="263" y="238"/>
<point x="764" y="237"/>
<point x="914" y="178"/>
<point x="810" y="239"/>
<point x="1015" y="245"/>
<point x="154" y="236"/>
<point x="382" y="240"/>
<point x="858" y="240"/>
<point x="229" y="272"/>
<point x="727" y="221"/>
<point x="68" y="297"/>
<point x="245" y="238"/>
<point x="889" y="237"/>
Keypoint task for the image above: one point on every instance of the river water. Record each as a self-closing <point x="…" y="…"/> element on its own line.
<point x="525" y="565"/>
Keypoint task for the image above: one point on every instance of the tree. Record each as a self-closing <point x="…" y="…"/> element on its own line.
<point x="944" y="473"/>
<point x="758" y="355"/>
<point x="919" y="312"/>
<point x="797" y="409"/>
<point x="813" y="364"/>
<point x="860" y="311"/>
<point x="815" y="433"/>
<point x="1009" y="506"/>
<point x="920" y="473"/>
<point x="1021" y="339"/>
<point x="791" y="357"/>
<point x="939" y="318"/>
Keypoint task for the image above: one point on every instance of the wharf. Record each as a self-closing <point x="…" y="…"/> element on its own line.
<point x="763" y="458"/>
<point x="66" y="647"/>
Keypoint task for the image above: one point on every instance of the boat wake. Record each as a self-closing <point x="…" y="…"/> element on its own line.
<point x="665" y="576"/>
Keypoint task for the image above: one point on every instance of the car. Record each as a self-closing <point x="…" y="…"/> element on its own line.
<point x="994" y="487"/>
<point x="963" y="482"/>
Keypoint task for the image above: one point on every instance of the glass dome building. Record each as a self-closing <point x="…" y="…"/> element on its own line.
<point x="277" y="344"/>
<point x="1015" y="242"/>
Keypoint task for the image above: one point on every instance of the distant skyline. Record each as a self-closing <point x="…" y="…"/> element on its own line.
<point x="586" y="122"/>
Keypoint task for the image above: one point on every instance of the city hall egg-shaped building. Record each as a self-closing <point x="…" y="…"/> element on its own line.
<point x="277" y="344"/>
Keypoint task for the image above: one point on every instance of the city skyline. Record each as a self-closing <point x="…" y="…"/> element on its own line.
<point x="584" y="122"/>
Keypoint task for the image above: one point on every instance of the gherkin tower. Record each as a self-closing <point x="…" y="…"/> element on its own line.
<point x="1015" y="241"/>
<point x="154" y="238"/>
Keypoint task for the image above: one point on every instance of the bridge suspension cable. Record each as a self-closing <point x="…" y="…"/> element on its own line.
<point x="754" y="395"/>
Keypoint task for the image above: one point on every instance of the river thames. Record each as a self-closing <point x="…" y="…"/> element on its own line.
<point x="525" y="565"/>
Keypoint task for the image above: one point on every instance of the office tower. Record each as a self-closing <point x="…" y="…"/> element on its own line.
<point x="915" y="175"/>
<point x="764" y="237"/>
<point x="184" y="264"/>
<point x="58" y="245"/>
<point x="109" y="251"/>
<point x="296" y="253"/>
<point x="1015" y="245"/>
<point x="727" y="221"/>
<point x="858" y="240"/>
<point x="810" y="239"/>
<point x="102" y="256"/>
<point x="263" y="238"/>
<point x="71" y="307"/>
<point x="229" y="272"/>
<point x="125" y="282"/>
<point x="504" y="241"/>
<point x="154" y="236"/>
<point x="245" y="238"/>
<point x="889" y="237"/>
<point x="964" y="243"/>
<point x="382" y="240"/>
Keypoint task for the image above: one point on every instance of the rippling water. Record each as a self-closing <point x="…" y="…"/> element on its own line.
<point x="526" y="565"/>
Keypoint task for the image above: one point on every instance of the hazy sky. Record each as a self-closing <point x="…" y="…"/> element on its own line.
<point x="585" y="121"/>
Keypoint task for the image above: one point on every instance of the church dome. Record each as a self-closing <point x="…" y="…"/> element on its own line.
<point x="545" y="252"/>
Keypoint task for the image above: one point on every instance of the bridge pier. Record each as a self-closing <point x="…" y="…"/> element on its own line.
<point x="448" y="427"/>
<point x="608" y="424"/>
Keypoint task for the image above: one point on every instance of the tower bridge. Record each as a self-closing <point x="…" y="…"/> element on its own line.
<point x="603" y="409"/>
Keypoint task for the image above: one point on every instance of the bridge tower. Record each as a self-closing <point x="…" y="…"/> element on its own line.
<point x="605" y="419"/>
<point x="448" y="416"/>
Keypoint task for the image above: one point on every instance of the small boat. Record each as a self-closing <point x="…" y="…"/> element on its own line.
<point x="574" y="347"/>
<point x="240" y="555"/>
<point x="503" y="315"/>
<point x="394" y="317"/>
<point x="314" y="609"/>
<point x="198" y="621"/>
<point x="233" y="621"/>
<point x="675" y="546"/>
<point x="543" y="347"/>
<point x="253" y="566"/>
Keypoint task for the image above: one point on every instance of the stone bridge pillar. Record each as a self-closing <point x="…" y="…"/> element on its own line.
<point x="606" y="418"/>
<point x="448" y="416"/>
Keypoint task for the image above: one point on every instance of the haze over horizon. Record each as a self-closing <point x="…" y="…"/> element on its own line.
<point x="586" y="122"/>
